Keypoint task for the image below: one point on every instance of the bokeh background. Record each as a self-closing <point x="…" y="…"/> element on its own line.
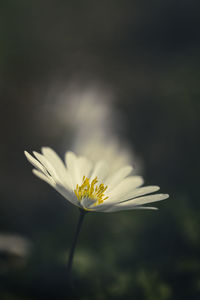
<point x="124" y="76"/>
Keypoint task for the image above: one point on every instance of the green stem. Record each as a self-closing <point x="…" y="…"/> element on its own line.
<point x="74" y="242"/>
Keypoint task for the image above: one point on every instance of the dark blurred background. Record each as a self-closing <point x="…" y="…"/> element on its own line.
<point x="146" y="54"/>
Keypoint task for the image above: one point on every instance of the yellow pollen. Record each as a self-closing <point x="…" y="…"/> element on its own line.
<point x="91" y="190"/>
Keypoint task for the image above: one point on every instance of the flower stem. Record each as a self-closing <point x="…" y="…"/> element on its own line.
<point x="71" y="254"/>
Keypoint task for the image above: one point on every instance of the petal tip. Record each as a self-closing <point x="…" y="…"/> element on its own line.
<point x="44" y="148"/>
<point x="26" y="153"/>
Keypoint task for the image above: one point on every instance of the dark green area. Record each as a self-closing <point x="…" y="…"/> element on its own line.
<point x="148" y="54"/>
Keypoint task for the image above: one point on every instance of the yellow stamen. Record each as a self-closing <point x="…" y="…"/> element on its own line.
<point x="91" y="190"/>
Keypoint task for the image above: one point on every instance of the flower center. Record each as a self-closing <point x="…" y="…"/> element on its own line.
<point x="91" y="190"/>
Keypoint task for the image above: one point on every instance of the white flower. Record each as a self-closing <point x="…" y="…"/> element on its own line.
<point x="88" y="185"/>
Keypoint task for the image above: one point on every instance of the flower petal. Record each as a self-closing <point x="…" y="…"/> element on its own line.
<point x="113" y="180"/>
<point x="126" y="186"/>
<point x="134" y="194"/>
<point x="131" y="204"/>
<point x="69" y="195"/>
<point x="48" y="166"/>
<point x="128" y="207"/>
<point x="34" y="162"/>
<point x="73" y="168"/>
<point x="85" y="166"/>
<point x="100" y="170"/>
<point x="58" y="164"/>
<point x="146" y="199"/>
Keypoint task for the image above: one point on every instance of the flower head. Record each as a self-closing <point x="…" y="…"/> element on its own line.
<point x="89" y="186"/>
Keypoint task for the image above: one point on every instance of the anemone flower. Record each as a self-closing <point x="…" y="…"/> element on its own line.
<point x="88" y="186"/>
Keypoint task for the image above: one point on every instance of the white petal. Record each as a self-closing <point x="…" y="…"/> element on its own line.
<point x="41" y="175"/>
<point x="85" y="166"/>
<point x="133" y="194"/>
<point x="146" y="199"/>
<point x="137" y="202"/>
<point x="117" y="177"/>
<point x="100" y="170"/>
<point x="58" y="165"/>
<point x="47" y="165"/>
<point x="128" y="207"/>
<point x="143" y="191"/>
<point x="69" y="195"/>
<point x="73" y="168"/>
<point x="146" y="207"/>
<point x="34" y="162"/>
<point x="126" y="186"/>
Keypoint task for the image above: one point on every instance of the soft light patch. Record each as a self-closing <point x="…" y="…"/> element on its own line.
<point x="91" y="190"/>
